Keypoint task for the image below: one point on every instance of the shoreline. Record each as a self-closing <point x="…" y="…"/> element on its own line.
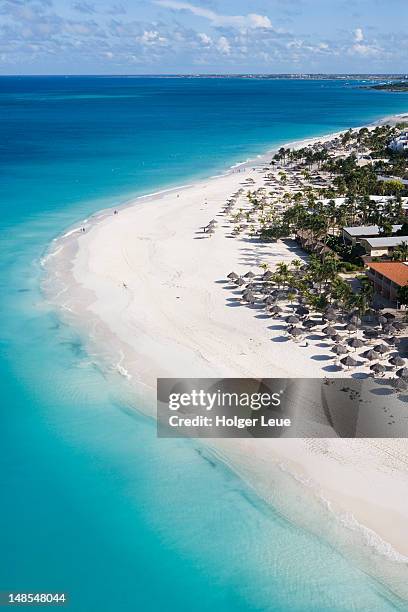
<point x="132" y="200"/>
<point x="87" y="270"/>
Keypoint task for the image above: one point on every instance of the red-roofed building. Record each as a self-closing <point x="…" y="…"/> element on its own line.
<point x="387" y="277"/>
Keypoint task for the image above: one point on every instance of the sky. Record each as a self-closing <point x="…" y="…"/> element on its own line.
<point x="203" y="36"/>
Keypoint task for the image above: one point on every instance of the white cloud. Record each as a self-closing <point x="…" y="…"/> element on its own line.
<point x="151" y="37"/>
<point x="223" y="45"/>
<point x="365" y="50"/>
<point x="358" y="35"/>
<point x="260" y="21"/>
<point x="253" y="20"/>
<point x="204" y="38"/>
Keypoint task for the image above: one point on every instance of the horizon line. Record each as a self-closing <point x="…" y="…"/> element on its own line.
<point x="214" y="74"/>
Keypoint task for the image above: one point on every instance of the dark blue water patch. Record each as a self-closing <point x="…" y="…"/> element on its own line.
<point x="75" y="138"/>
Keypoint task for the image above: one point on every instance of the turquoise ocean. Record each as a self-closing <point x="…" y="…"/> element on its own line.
<point x="92" y="503"/>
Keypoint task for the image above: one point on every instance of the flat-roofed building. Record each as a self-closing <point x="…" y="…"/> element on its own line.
<point x="400" y="143"/>
<point x="382" y="247"/>
<point x="355" y="233"/>
<point x="387" y="277"/>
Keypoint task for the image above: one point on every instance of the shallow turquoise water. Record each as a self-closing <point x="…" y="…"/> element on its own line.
<point x="93" y="504"/>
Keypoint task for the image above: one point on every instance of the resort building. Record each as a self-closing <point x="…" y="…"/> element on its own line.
<point x="400" y="143"/>
<point x="387" y="277"/>
<point x="354" y="235"/>
<point x="382" y="247"/>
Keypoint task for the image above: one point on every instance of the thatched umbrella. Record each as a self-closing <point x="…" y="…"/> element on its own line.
<point x="275" y="309"/>
<point x="330" y="310"/>
<point x="339" y="349"/>
<point x="248" y="296"/>
<point x="390" y="329"/>
<point x="349" y="362"/>
<point x="392" y="340"/>
<point x="330" y="330"/>
<point x="336" y="338"/>
<point x="399" y="325"/>
<point x="296" y="331"/>
<point x="249" y="275"/>
<point x="371" y="355"/>
<point x="302" y="311"/>
<point x="240" y="282"/>
<point x="399" y="384"/>
<point x="396" y="361"/>
<point x="351" y="328"/>
<point x="402" y="373"/>
<point x="330" y="316"/>
<point x="355" y="343"/>
<point x="292" y="319"/>
<point x="377" y="368"/>
<point x="370" y="333"/>
<point x="381" y="348"/>
<point x="270" y="300"/>
<point x="267" y="276"/>
<point x="232" y="276"/>
<point x="308" y="323"/>
<point x="382" y="320"/>
<point x="355" y="320"/>
<point x="389" y="315"/>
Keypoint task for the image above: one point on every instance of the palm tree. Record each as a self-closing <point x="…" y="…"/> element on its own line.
<point x="282" y="271"/>
<point x="403" y="295"/>
<point x="401" y="252"/>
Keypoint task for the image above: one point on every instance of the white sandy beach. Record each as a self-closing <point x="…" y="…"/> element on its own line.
<point x="152" y="285"/>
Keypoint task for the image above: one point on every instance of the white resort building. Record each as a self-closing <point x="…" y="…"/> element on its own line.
<point x="400" y="143"/>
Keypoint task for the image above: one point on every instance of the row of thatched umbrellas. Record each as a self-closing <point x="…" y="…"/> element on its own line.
<point x="375" y="354"/>
<point x="339" y="348"/>
<point x="232" y="201"/>
<point x="210" y="227"/>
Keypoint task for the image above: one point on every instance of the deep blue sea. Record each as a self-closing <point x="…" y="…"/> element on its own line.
<point x="92" y="503"/>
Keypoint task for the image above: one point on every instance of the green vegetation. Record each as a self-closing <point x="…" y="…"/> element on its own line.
<point x="312" y="212"/>
<point x="397" y="86"/>
<point x="319" y="283"/>
<point x="403" y="295"/>
<point x="318" y="190"/>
